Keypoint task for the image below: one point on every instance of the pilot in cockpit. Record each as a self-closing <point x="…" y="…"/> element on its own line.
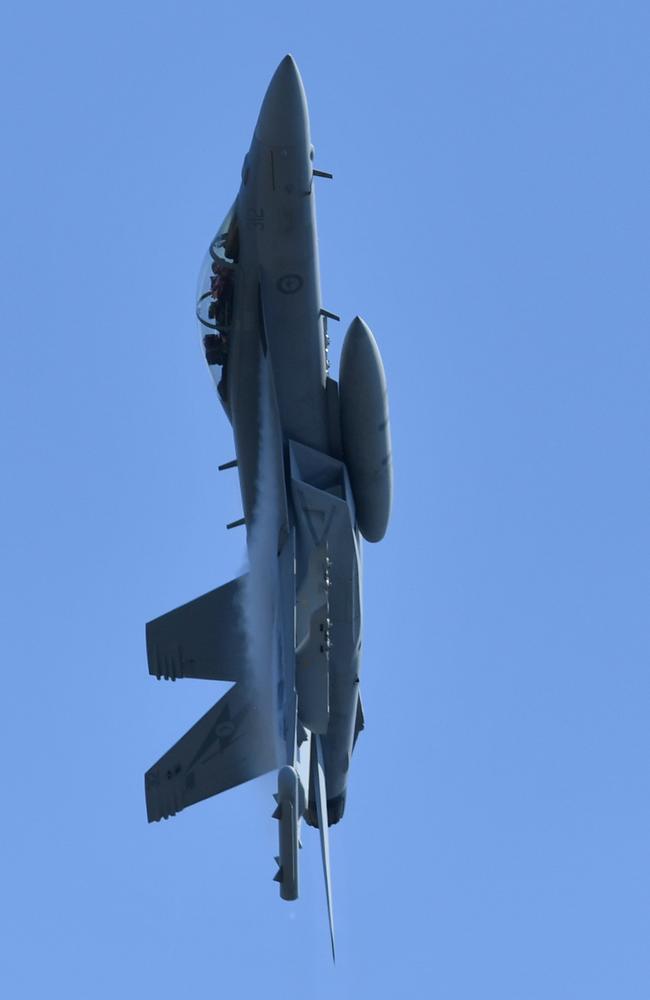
<point x="218" y="278"/>
<point x="221" y="287"/>
<point x="216" y="348"/>
<point x="215" y="304"/>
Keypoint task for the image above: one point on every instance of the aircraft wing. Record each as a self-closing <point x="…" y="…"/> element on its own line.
<point x="231" y="744"/>
<point x="203" y="638"/>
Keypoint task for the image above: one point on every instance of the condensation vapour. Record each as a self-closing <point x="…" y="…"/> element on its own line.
<point x="261" y="591"/>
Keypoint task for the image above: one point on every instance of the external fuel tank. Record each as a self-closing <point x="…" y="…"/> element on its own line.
<point x="365" y="429"/>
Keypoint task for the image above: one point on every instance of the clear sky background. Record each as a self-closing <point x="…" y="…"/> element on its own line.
<point x="489" y="218"/>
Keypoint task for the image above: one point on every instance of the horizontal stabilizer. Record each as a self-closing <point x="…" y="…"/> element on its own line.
<point x="231" y="744"/>
<point x="203" y="638"/>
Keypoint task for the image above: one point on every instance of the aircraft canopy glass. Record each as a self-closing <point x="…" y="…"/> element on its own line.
<point x="214" y="306"/>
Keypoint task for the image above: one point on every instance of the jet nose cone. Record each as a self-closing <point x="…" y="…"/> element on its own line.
<point x="283" y="118"/>
<point x="288" y="68"/>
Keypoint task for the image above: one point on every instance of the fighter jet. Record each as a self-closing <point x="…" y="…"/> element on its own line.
<point x="314" y="464"/>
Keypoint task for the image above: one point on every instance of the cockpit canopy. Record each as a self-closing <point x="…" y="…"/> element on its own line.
<point x="214" y="306"/>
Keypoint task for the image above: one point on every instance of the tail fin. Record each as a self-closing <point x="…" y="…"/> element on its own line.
<point x="203" y="638"/>
<point x="231" y="744"/>
<point x="318" y="780"/>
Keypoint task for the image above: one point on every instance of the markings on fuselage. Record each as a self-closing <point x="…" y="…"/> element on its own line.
<point x="288" y="284"/>
<point x="255" y="218"/>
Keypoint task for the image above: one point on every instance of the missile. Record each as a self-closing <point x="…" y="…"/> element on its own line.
<point x="288" y="815"/>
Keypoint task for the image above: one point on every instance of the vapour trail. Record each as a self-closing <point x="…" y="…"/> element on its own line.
<point x="261" y="591"/>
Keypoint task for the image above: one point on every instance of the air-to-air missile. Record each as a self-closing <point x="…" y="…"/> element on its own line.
<point x="314" y="465"/>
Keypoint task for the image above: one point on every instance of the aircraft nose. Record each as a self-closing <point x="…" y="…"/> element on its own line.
<point x="283" y="118"/>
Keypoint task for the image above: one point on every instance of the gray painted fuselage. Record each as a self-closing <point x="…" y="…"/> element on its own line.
<point x="278" y="332"/>
<point x="314" y="462"/>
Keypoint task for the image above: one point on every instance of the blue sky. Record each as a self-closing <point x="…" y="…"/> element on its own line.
<point x="489" y="218"/>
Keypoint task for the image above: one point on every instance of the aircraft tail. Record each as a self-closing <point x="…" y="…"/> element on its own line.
<point x="234" y="741"/>
<point x="204" y="638"/>
<point x="228" y="746"/>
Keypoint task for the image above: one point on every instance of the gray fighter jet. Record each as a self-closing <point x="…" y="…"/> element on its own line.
<point x="314" y="465"/>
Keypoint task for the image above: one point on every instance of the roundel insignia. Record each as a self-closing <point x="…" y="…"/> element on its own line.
<point x="289" y="283"/>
